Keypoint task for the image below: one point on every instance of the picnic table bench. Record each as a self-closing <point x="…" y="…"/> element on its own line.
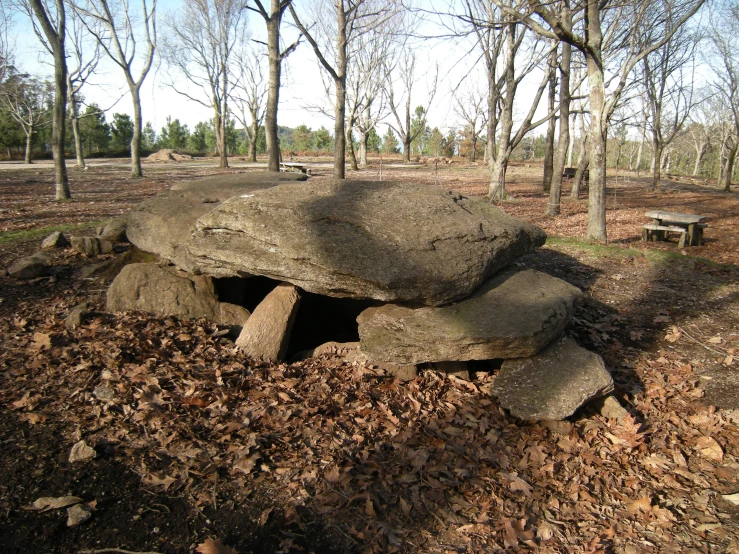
<point x="294" y="168"/>
<point x="690" y="227"/>
<point x="570" y="172"/>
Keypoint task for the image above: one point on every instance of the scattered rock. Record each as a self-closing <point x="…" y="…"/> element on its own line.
<point x="91" y="246"/>
<point x="104" y="393"/>
<point x="46" y="503"/>
<point x="81" y="452"/>
<point x="458" y="369"/>
<point x="386" y="241"/>
<point x="76" y="317"/>
<point x="332" y="348"/>
<point x="610" y="408"/>
<point x="79" y="513"/>
<point x="54" y="240"/>
<point x="90" y="270"/>
<point x="30" y="267"/>
<point x="553" y="384"/>
<point x="266" y="334"/>
<point x="513" y="315"/>
<point x="115" y="230"/>
<point x="406" y="372"/>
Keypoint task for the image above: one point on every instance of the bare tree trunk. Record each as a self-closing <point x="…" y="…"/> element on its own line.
<point x="657" y="166"/>
<point x="339" y="135"/>
<point x="581" y="160"/>
<point x="350" y="145"/>
<point x="363" y="140"/>
<point x="551" y="127"/>
<point x="407" y="136"/>
<point x="253" y="139"/>
<point x="78" y="142"/>
<point x="700" y="152"/>
<point x="273" y="88"/>
<point x="136" y="139"/>
<point x="497" y="182"/>
<point x="29" y="143"/>
<point x="555" y="192"/>
<point x="598" y="141"/>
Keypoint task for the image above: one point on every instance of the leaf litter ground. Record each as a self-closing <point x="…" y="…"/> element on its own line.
<point x="198" y="449"/>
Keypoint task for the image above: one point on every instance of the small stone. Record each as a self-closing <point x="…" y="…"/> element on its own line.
<point x="458" y="369"/>
<point x="76" y="317"/>
<point x="104" y="393"/>
<point x="114" y="231"/>
<point x="30" y="267"/>
<point x="610" y="408"/>
<point x="81" y="452"/>
<point x="91" y="246"/>
<point x="77" y="514"/>
<point x="402" y="372"/>
<point x="54" y="240"/>
<point x="90" y="270"/>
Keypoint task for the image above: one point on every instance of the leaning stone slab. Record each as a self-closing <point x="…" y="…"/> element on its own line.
<point x="115" y="230"/>
<point x="514" y="315"/>
<point x="54" y="240"/>
<point x="266" y="334"/>
<point x="30" y="267"/>
<point x="163" y="224"/>
<point x="553" y="384"/>
<point x="393" y="242"/>
<point x="159" y="290"/>
<point x="91" y="246"/>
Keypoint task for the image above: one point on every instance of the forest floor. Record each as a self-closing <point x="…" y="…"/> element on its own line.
<point x="200" y="450"/>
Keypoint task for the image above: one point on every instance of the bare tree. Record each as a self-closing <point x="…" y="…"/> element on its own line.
<point x="334" y="37"/>
<point x="26" y="100"/>
<point x="119" y="29"/>
<point x="724" y="38"/>
<point x="608" y="34"/>
<point x="250" y="91"/>
<point x="198" y="46"/>
<point x="667" y="78"/>
<point x="471" y="108"/>
<point x="552" y="125"/>
<point x="50" y="24"/>
<point x="85" y="58"/>
<point x="273" y="19"/>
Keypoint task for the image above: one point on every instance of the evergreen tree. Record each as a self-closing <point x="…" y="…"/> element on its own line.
<point x="302" y="139"/>
<point x="390" y="144"/>
<point x="94" y="130"/>
<point x="174" y="134"/>
<point x="121" y="132"/>
<point x="420" y="130"/>
<point x="374" y="142"/>
<point x="149" y="137"/>
<point x="322" y="140"/>
<point x="436" y="142"/>
<point x="197" y="141"/>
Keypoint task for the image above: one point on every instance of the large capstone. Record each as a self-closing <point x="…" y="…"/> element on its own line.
<point x="163" y="224"/>
<point x="514" y="315"/>
<point x="168" y="291"/>
<point x="553" y="384"/>
<point x="393" y="242"/>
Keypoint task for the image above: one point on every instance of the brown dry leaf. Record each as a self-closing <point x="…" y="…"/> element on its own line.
<point x="644" y="504"/>
<point x="729" y="360"/>
<point x="246" y="464"/>
<point x="709" y="448"/>
<point x="211" y="546"/>
<point x="41" y="341"/>
<point x="517" y="484"/>
<point x="369" y="508"/>
<point x="715" y="340"/>
<point x="33" y="418"/>
<point x="673" y="335"/>
<point x="153" y="480"/>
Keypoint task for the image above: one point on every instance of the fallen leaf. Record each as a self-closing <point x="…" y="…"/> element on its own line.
<point x="246" y="464"/>
<point x="41" y="341"/>
<point x="46" y="503"/>
<point x="518" y="484"/>
<point x="644" y="504"/>
<point x="369" y="508"/>
<point x="673" y="335"/>
<point x="709" y="448"/>
<point x="81" y="452"/>
<point x="33" y="419"/>
<point x="729" y="360"/>
<point x="716" y="340"/>
<point x="733" y="498"/>
<point x="211" y="546"/>
<point x="152" y="479"/>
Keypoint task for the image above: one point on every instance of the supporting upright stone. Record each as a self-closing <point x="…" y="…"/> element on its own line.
<point x="266" y="334"/>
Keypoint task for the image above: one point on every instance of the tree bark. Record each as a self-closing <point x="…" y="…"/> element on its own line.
<point x="560" y="157"/>
<point x="729" y="167"/>
<point x="253" y="139"/>
<point x="136" y="171"/>
<point x="273" y="88"/>
<point x="656" y="167"/>
<point x="551" y="127"/>
<point x="29" y="144"/>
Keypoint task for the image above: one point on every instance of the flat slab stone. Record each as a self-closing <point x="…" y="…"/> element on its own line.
<point x="553" y="384"/>
<point x="393" y="242"/>
<point x="266" y="334"/>
<point x="163" y="224"/>
<point x="513" y="315"/>
<point x="30" y="267"/>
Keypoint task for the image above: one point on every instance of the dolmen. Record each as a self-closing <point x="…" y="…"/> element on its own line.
<point x="401" y="276"/>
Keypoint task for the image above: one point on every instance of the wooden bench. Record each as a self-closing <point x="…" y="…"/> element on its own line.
<point x="655" y="232"/>
<point x="291" y="167"/>
<point x="570" y="172"/>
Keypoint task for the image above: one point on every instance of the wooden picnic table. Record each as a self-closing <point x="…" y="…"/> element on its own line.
<point x="294" y="167"/>
<point x="690" y="227"/>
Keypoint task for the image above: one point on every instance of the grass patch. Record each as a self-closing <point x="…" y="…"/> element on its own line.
<point x="27" y="235"/>
<point x="658" y="257"/>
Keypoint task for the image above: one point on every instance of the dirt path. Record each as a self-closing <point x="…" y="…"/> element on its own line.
<point x="193" y="442"/>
